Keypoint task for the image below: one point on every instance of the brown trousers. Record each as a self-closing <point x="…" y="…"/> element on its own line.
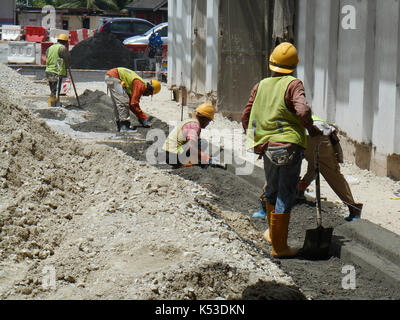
<point x="329" y="168"/>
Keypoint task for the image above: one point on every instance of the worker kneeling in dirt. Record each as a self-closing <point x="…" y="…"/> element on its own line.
<point x="275" y="120"/>
<point x="126" y="88"/>
<point x="330" y="155"/>
<point x="182" y="146"/>
<point x="57" y="63"/>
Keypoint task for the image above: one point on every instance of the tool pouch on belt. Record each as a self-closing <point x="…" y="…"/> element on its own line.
<point x="281" y="156"/>
<point x="336" y="146"/>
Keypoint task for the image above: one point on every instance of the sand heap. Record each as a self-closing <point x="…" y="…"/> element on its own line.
<point x="103" y="51"/>
<point x="112" y="227"/>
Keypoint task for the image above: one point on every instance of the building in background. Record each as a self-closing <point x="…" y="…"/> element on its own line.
<point x="66" y="18"/>
<point x="219" y="49"/>
<point x="155" y="11"/>
<point x="7" y="12"/>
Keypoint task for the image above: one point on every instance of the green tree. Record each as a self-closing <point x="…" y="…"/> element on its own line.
<point x="94" y="4"/>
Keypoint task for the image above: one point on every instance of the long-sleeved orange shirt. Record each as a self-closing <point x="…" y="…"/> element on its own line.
<point x="138" y="88"/>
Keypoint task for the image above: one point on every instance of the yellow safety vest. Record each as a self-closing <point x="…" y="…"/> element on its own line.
<point x="51" y="60"/>
<point x="274" y="122"/>
<point x="127" y="76"/>
<point x="176" y="139"/>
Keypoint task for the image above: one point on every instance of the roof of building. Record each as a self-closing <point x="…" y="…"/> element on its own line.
<point x="153" y="5"/>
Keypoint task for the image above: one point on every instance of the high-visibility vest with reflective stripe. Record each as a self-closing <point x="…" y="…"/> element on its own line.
<point x="51" y="60"/>
<point x="274" y="122"/>
<point x="128" y="76"/>
<point x="176" y="139"/>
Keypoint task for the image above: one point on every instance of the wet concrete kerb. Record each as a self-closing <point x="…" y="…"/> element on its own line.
<point x="369" y="246"/>
<point x="360" y="242"/>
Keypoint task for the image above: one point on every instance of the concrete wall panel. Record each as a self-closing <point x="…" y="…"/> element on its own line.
<point x="354" y="75"/>
<point x="241" y="53"/>
<point x="179" y="43"/>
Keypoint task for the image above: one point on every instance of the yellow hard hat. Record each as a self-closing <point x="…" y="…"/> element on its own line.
<point x="206" y="110"/>
<point x="284" y="58"/>
<point x="156" y="86"/>
<point x="62" y="37"/>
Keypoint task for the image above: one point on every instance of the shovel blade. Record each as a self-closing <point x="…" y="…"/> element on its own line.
<point x="317" y="243"/>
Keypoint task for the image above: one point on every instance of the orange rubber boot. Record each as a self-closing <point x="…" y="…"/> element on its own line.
<point x="267" y="233"/>
<point x="279" y="234"/>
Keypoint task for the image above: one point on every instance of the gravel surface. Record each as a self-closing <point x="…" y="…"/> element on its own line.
<point x="112" y="227"/>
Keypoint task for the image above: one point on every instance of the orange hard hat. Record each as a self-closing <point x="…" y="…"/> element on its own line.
<point x="206" y="110"/>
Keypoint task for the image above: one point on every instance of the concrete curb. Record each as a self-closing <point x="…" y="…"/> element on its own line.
<point x="370" y="246"/>
<point x="359" y="242"/>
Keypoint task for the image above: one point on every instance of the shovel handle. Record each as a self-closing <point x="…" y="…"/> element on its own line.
<point x="317" y="185"/>
<point x="73" y="84"/>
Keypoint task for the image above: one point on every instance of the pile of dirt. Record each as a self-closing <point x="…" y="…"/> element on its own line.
<point x="100" y="113"/>
<point x="103" y="51"/>
<point x="112" y="227"/>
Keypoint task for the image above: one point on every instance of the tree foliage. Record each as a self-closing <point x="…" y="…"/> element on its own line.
<point x="112" y="5"/>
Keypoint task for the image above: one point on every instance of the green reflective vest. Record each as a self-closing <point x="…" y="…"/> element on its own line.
<point x="51" y="61"/>
<point x="128" y="76"/>
<point x="176" y="139"/>
<point x="273" y="120"/>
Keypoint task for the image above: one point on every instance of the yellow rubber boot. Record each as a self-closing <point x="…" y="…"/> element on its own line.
<point x="279" y="229"/>
<point x="267" y="234"/>
<point x="52" y="101"/>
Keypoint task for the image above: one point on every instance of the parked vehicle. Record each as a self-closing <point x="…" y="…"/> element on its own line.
<point x="162" y="28"/>
<point x="124" y="28"/>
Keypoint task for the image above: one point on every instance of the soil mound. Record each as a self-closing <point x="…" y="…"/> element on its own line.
<point x="103" y="51"/>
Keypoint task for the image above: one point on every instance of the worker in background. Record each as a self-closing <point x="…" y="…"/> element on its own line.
<point x="262" y="212"/>
<point x="182" y="146"/>
<point x="275" y="120"/>
<point x="330" y="155"/>
<point x="126" y="88"/>
<point x="57" y="62"/>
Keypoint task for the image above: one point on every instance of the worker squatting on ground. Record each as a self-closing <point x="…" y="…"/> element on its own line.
<point x="126" y="88"/>
<point x="182" y="146"/>
<point x="275" y="120"/>
<point x="57" y="62"/>
<point x="330" y="155"/>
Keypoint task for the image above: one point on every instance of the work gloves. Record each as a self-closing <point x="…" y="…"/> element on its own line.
<point x="314" y="131"/>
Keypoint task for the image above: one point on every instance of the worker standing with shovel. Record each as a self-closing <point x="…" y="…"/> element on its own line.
<point x="275" y="120"/>
<point x="57" y="62"/>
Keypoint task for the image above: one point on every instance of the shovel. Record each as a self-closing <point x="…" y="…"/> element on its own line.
<point x="317" y="241"/>
<point x="73" y="84"/>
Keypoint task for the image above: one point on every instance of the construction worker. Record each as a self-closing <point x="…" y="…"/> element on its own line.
<point x="275" y="120"/>
<point x="57" y="62"/>
<point x="262" y="212"/>
<point x="330" y="155"/>
<point x="182" y="146"/>
<point x="126" y="88"/>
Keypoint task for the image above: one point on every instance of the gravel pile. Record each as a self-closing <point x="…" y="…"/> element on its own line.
<point x="18" y="85"/>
